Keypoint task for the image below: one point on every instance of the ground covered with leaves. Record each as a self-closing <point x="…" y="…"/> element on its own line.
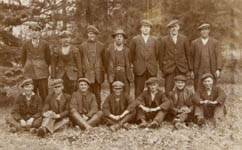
<point x="226" y="136"/>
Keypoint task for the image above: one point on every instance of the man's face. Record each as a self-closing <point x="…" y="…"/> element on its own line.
<point x="153" y="87"/>
<point x="145" y="29"/>
<point x="91" y="36"/>
<point x="66" y="41"/>
<point x="208" y="83"/>
<point x="205" y="33"/>
<point x="28" y="89"/>
<point x="83" y="86"/>
<point x="119" y="39"/>
<point x="117" y="91"/>
<point x="35" y="35"/>
<point x="180" y="85"/>
<point x="174" y="29"/>
<point x="58" y="89"/>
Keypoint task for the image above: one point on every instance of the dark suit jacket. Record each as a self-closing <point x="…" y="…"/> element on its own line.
<point x="217" y="95"/>
<point x="144" y="56"/>
<point x="96" y="72"/>
<point x="71" y="64"/>
<point x="22" y="111"/>
<point x="88" y="106"/>
<point x="160" y="100"/>
<point x="110" y="55"/>
<point x="110" y="106"/>
<point x="36" y="60"/>
<point x="52" y="104"/>
<point x="175" y="55"/>
<point x="214" y="53"/>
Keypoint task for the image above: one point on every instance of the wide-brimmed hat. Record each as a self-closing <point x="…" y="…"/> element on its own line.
<point x="84" y="80"/>
<point x="172" y="23"/>
<point x="118" y="85"/>
<point x="204" y="26"/>
<point x="26" y="82"/>
<point x="180" y="78"/>
<point x="119" y="31"/>
<point x="92" y="28"/>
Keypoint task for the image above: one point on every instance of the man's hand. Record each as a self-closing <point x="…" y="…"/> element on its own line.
<point x="114" y="117"/>
<point x="145" y="109"/>
<point x="217" y="73"/>
<point x="185" y="109"/>
<point x="30" y="122"/>
<point x="155" y="109"/>
<point x="23" y="123"/>
<point x="57" y="116"/>
<point x="85" y="117"/>
<point x="213" y="102"/>
<point x="124" y="113"/>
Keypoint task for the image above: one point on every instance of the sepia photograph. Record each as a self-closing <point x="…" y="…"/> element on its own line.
<point x="120" y="74"/>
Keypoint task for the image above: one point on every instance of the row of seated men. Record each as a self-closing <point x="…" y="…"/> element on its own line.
<point x="149" y="110"/>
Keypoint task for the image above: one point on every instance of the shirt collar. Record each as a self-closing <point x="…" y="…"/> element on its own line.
<point x="32" y="94"/>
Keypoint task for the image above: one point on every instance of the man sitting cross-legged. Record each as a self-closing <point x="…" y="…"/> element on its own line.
<point x="153" y="105"/>
<point x="118" y="108"/>
<point x="84" y="107"/>
<point x="26" y="113"/>
<point x="181" y="101"/>
<point x="55" y="110"/>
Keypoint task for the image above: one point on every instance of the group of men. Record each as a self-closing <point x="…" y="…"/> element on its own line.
<point x="78" y="73"/>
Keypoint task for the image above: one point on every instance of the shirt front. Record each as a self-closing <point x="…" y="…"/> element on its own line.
<point x="204" y="41"/>
<point x="174" y="38"/>
<point x="145" y="37"/>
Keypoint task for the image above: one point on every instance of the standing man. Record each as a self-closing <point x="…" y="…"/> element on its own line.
<point x="175" y="55"/>
<point x="66" y="63"/>
<point x="35" y="60"/>
<point x="144" y="56"/>
<point x="119" y="61"/>
<point x="206" y="56"/>
<point x="93" y="57"/>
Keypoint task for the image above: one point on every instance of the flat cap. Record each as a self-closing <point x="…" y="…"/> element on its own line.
<point x="146" y="23"/>
<point x="172" y="23"/>
<point x="35" y="27"/>
<point x="65" y="34"/>
<point x="118" y="85"/>
<point x="56" y="83"/>
<point x="84" y="80"/>
<point x="92" y="28"/>
<point x="152" y="80"/>
<point x="180" y="78"/>
<point x="26" y="82"/>
<point x="119" y="31"/>
<point x="207" y="75"/>
<point x="204" y="26"/>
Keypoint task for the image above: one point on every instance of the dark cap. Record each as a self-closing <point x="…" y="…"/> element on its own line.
<point x="84" y="80"/>
<point x="119" y="31"/>
<point x="180" y="78"/>
<point x="146" y="23"/>
<point x="26" y="82"/>
<point x="172" y="23"/>
<point x="207" y="75"/>
<point x="152" y="80"/>
<point x="204" y="26"/>
<point x="56" y="83"/>
<point x="92" y="28"/>
<point x="118" y="85"/>
<point x="65" y="34"/>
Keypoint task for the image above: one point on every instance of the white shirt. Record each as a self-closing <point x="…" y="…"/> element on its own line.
<point x="153" y="95"/>
<point x="145" y="37"/>
<point x="205" y="41"/>
<point x="174" y="38"/>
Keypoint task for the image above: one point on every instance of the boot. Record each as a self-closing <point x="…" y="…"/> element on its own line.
<point x="95" y="119"/>
<point x="80" y="121"/>
<point x="42" y="131"/>
<point x="153" y="125"/>
<point x="143" y="124"/>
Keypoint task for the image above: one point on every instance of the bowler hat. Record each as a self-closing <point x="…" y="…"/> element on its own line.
<point x="65" y="34"/>
<point x="92" y="28"/>
<point x="84" y="80"/>
<point x="119" y="31"/>
<point x="57" y="82"/>
<point x="180" y="78"/>
<point x="118" y="85"/>
<point x="172" y="23"/>
<point x="204" y="26"/>
<point x="207" y="75"/>
<point x="152" y="80"/>
<point x="26" y="82"/>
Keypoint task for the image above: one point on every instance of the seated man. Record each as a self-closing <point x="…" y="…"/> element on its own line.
<point x="152" y="105"/>
<point x="26" y="113"/>
<point x="84" y="107"/>
<point x="209" y="101"/>
<point x="118" y="108"/>
<point x="181" y="101"/>
<point x="55" y="110"/>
